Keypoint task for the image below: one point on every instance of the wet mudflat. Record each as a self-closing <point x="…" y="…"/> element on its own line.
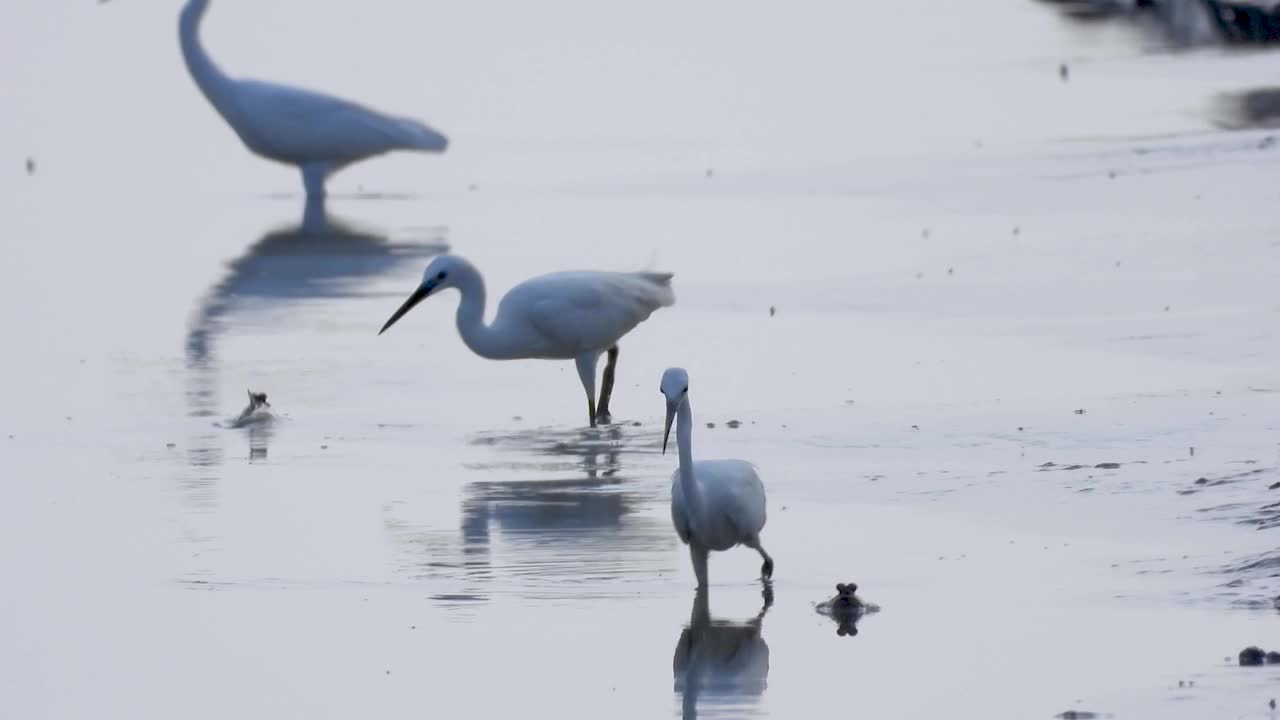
<point x="420" y="530"/>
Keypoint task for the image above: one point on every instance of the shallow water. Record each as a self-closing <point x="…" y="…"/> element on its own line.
<point x="962" y="250"/>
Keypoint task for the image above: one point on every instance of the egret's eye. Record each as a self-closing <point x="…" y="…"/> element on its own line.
<point x="686" y="389"/>
<point x="441" y="274"/>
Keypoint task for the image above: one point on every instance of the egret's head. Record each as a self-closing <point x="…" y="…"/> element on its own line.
<point x="675" y="386"/>
<point x="257" y="400"/>
<point x="443" y="272"/>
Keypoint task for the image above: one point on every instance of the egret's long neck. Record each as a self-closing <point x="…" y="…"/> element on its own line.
<point x="482" y="339"/>
<point x="684" y="443"/>
<point x="215" y="84"/>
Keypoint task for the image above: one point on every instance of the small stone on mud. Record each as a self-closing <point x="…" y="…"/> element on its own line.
<point x="1079" y="411"/>
<point x="635" y="424"/>
<point x="1077" y="715"/>
<point x="1107" y="466"/>
<point x="168" y="445"/>
<point x="1274" y="486"/>
<point x="517" y="418"/>
<point x="772" y="311"/>
<point x="1202" y="481"/>
<point x="734" y="424"/>
<point x="711" y="425"/>
<point x="324" y="447"/>
<point x="1019" y="428"/>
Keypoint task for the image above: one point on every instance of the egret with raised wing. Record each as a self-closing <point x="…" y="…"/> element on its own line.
<point x="715" y="504"/>
<point x="562" y="316"/>
<point x="318" y="133"/>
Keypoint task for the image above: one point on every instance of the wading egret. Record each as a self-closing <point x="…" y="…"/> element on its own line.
<point x="715" y="504"/>
<point x="562" y="316"/>
<point x="316" y="132"/>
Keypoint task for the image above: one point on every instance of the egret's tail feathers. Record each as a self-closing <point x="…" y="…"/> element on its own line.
<point x="414" y="135"/>
<point x="661" y="283"/>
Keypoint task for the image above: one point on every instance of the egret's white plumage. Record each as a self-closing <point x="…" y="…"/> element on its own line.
<point x="715" y="504"/>
<point x="561" y="316"/>
<point x="316" y="132"/>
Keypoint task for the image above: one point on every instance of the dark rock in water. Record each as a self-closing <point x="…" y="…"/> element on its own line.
<point x="1202" y="481"/>
<point x="31" y="166"/>
<point x="1273" y="657"/>
<point x="1274" y="485"/>
<point x="846" y="608"/>
<point x="1063" y="72"/>
<point x="1107" y="466"/>
<point x="1077" y="715"/>
<point x="1252" y="656"/>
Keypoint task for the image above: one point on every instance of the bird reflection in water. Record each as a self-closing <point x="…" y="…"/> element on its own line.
<point x="322" y="257"/>
<point x="560" y="531"/>
<point x="568" y="526"/>
<point x="721" y="668"/>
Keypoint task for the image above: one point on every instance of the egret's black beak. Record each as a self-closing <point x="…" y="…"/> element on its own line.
<point x="666" y="431"/>
<point x="418" y="296"/>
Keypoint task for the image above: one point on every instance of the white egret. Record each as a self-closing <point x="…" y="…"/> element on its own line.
<point x="316" y="132"/>
<point x="562" y="316"/>
<point x="715" y="504"/>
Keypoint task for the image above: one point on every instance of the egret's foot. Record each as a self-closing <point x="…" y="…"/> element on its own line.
<point x="603" y="417"/>
<point x="766" y="570"/>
